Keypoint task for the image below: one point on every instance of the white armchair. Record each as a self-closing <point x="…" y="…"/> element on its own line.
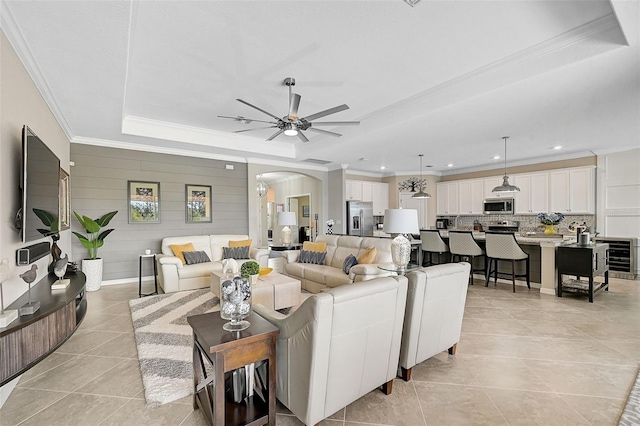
<point x="338" y="346"/>
<point x="433" y="318"/>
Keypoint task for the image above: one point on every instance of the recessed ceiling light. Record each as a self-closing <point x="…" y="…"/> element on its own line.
<point x="450" y="165"/>
<point x="496" y="157"/>
<point x="382" y="167"/>
<point x="363" y="159"/>
<point x="557" y="147"/>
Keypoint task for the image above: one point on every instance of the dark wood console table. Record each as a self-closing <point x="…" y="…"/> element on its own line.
<point x="226" y="351"/>
<point x="586" y="261"/>
<point x="29" y="339"/>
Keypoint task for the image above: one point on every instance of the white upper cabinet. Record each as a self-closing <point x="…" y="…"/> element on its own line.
<point x="354" y="190"/>
<point x="571" y="191"/>
<point x="470" y="196"/>
<point x="447" y="198"/>
<point x="533" y="197"/>
<point x="367" y="191"/>
<point x="380" y="198"/>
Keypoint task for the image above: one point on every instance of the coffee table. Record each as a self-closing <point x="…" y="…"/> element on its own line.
<point x="273" y="290"/>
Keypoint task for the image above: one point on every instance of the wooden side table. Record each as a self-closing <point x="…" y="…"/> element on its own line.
<point x="155" y="274"/>
<point x="226" y="351"/>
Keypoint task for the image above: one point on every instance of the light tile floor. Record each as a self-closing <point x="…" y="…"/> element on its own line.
<point x="523" y="359"/>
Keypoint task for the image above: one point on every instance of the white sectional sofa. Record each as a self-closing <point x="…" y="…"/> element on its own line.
<point x="176" y="276"/>
<point x="315" y="278"/>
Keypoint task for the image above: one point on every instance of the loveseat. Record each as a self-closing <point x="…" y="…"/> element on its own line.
<point x="315" y="278"/>
<point x="174" y="275"/>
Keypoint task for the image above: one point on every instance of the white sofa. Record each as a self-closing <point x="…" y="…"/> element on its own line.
<point x="433" y="319"/>
<point x="338" y="346"/>
<point x="316" y="278"/>
<point x="176" y="276"/>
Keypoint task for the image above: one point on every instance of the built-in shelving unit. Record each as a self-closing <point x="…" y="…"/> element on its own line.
<point x="621" y="256"/>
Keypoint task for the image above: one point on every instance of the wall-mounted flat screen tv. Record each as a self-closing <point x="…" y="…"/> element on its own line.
<point x="40" y="183"/>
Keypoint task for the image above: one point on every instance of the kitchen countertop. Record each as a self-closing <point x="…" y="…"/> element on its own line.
<point x="534" y="239"/>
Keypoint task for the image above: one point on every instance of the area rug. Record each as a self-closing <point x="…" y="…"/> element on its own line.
<point x="165" y="341"/>
<point x="631" y="413"/>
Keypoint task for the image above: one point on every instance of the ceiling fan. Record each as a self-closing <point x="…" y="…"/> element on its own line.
<point x="291" y="124"/>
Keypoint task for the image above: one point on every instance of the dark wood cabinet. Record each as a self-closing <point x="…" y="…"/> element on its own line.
<point x="588" y="261"/>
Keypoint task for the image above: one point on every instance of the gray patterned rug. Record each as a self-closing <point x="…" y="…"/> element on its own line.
<point x="631" y="414"/>
<point x="165" y="341"/>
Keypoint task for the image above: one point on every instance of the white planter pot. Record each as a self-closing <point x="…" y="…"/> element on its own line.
<point x="92" y="268"/>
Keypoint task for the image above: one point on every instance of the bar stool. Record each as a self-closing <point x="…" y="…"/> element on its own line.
<point x="503" y="246"/>
<point x="432" y="243"/>
<point x="463" y="245"/>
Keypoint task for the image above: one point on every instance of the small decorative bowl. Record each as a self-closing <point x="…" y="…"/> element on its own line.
<point x="265" y="271"/>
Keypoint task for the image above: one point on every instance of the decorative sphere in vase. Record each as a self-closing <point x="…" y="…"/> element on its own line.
<point x="235" y="302"/>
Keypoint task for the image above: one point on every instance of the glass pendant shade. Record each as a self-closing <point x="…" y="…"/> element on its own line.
<point x="506" y="186"/>
<point x="262" y="189"/>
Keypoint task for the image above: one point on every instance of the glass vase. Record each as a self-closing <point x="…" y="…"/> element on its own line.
<point x="235" y="302"/>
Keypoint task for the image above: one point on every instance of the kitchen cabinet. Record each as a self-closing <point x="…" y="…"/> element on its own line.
<point x="492" y="182"/>
<point x="533" y="197"/>
<point x="380" y="198"/>
<point x="354" y="190"/>
<point x="447" y="198"/>
<point x="367" y="191"/>
<point x="470" y="196"/>
<point x="420" y="204"/>
<point x="571" y="191"/>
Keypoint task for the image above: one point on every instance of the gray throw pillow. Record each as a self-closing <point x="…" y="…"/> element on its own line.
<point x="236" y="252"/>
<point x="193" y="257"/>
<point x="349" y="261"/>
<point x="315" y="257"/>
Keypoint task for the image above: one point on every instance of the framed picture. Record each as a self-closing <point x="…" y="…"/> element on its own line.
<point x="198" y="203"/>
<point x="305" y="211"/>
<point x="144" y="202"/>
<point x="279" y="208"/>
<point x="63" y="207"/>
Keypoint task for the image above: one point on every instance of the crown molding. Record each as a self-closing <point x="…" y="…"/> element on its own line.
<point x="277" y="163"/>
<point x="157" y="149"/>
<point x="17" y="41"/>
<point x="146" y="127"/>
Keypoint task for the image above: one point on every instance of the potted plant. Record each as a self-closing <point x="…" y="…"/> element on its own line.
<point x="51" y="222"/>
<point x="250" y="269"/>
<point x="550" y="221"/>
<point x="92" y="266"/>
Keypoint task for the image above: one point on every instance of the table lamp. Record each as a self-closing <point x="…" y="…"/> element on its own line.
<point x="285" y="219"/>
<point x="401" y="221"/>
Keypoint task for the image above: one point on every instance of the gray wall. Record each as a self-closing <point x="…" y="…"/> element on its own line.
<point x="99" y="185"/>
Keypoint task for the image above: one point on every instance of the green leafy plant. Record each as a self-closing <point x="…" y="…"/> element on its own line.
<point x="249" y="268"/>
<point x="50" y="221"/>
<point x="94" y="238"/>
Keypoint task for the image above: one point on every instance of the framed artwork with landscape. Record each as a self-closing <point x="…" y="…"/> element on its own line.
<point x="198" y="203"/>
<point x="144" y="202"/>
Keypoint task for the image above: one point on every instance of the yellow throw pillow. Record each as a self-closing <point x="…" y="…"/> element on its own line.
<point x="368" y="256"/>
<point x="177" y="250"/>
<point x="240" y="243"/>
<point x="309" y="246"/>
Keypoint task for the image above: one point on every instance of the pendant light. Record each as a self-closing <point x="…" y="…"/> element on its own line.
<point x="421" y="194"/>
<point x="262" y="188"/>
<point x="505" y="187"/>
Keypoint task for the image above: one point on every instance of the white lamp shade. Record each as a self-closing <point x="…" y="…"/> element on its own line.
<point x="286" y="218"/>
<point x="401" y="221"/>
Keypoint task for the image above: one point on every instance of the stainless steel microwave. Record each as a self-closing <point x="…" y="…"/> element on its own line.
<point x="498" y="206"/>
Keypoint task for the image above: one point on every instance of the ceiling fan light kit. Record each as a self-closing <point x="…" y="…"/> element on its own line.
<point x="506" y="186"/>
<point x="291" y="124"/>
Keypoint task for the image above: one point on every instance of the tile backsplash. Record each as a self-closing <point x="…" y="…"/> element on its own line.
<point x="528" y="223"/>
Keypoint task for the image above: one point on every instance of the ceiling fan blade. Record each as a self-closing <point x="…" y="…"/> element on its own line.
<point x="302" y="137"/>
<point x="256" y="128"/>
<point x="336" y="123"/>
<point x="294" y="103"/>
<point x="275" y="135"/>
<point x="326" y="132"/>
<point x="259" y="109"/>
<point x="326" y="112"/>
<point x="245" y="119"/>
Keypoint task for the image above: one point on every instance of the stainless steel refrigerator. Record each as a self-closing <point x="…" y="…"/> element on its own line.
<point x="360" y="218"/>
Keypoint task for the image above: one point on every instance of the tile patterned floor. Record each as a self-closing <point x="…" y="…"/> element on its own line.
<point x="523" y="359"/>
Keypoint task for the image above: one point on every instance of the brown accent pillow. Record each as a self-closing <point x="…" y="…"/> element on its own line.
<point x="368" y="256"/>
<point x="240" y="243"/>
<point x="310" y="246"/>
<point x="178" y="249"/>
